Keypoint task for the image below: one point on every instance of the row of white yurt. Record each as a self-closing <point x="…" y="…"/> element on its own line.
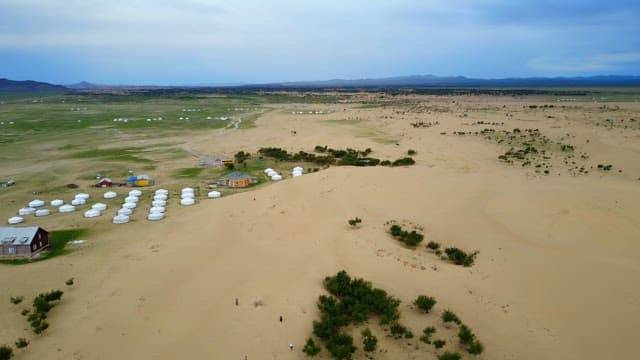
<point x="272" y="174"/>
<point x="110" y="195"/>
<point x="187" y="197"/>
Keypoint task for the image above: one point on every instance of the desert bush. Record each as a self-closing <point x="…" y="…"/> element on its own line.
<point x="459" y="257"/>
<point x="403" y="162"/>
<point x="341" y="347"/>
<point x="433" y="245"/>
<point x="475" y="348"/>
<point x="16" y="299"/>
<point x="311" y="348"/>
<point x="69" y="282"/>
<point x="426" y="334"/>
<point x="439" y="343"/>
<point x="398" y="331"/>
<point x="6" y="352"/>
<point x="355" y="221"/>
<point x="448" y="316"/>
<point x="425" y="303"/>
<point x="449" y="356"/>
<point x="22" y="343"/>
<point x="369" y="341"/>
<point x="465" y="335"/>
<point x="385" y="163"/>
<point x="412" y="238"/>
<point x="411" y="152"/>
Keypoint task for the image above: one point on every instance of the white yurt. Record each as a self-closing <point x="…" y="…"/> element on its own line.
<point x="158" y="203"/>
<point x="42" y="212"/>
<point x="131" y="199"/>
<point x="92" y="213"/>
<point x="268" y="170"/>
<point x="99" y="207"/>
<point x="66" y="208"/>
<point x="276" y="177"/>
<point x="110" y="195"/>
<point x="214" y="194"/>
<point x="136" y="193"/>
<point x="187" y="196"/>
<point x="26" y="211"/>
<point x="155" y="216"/>
<point x="76" y="202"/>
<point x="82" y="196"/>
<point x="187" y="190"/>
<point x="120" y="219"/>
<point x="124" y="211"/>
<point x="272" y="173"/>
<point x="162" y="192"/>
<point x="187" y="201"/>
<point x="129" y="205"/>
<point x="160" y="197"/>
<point x="36" y="203"/>
<point x="15" y="220"/>
<point x="157" y="209"/>
<point x="57" y="202"/>
<point x="298" y="168"/>
<point x="296" y="174"/>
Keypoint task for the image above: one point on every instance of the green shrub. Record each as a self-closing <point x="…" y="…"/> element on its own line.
<point x="459" y="257"/>
<point x="403" y="162"/>
<point x="22" y="343"/>
<point x="341" y="347"/>
<point x="425" y="303"/>
<point x="355" y="221"/>
<point x="16" y="299"/>
<point x="465" y="335"/>
<point x="426" y="334"/>
<point x="433" y="245"/>
<point x="311" y="348"/>
<point x="448" y="316"/>
<point x="475" y="347"/>
<point x="412" y="238"/>
<point x="369" y="341"/>
<point x="439" y="343"/>
<point x="69" y="282"/>
<point x="6" y="352"/>
<point x="449" y="356"/>
<point x="411" y="152"/>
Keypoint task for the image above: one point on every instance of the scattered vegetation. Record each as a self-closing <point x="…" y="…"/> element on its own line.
<point x="438" y="344"/>
<point x="425" y="303"/>
<point x="459" y="257"/>
<point x="469" y="341"/>
<point x="355" y="221"/>
<point x="426" y="334"/>
<point x="449" y="316"/>
<point x="410" y="238"/>
<point x="22" y="343"/>
<point x="16" y="299"/>
<point x="447" y="355"/>
<point x="42" y="304"/>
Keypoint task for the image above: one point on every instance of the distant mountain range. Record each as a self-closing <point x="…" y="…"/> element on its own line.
<point x="29" y="86"/>
<point x="414" y="81"/>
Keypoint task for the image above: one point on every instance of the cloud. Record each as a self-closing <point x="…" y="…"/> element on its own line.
<point x="593" y="63"/>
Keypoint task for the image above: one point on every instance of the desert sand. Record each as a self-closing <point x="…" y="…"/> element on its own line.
<point x="555" y="278"/>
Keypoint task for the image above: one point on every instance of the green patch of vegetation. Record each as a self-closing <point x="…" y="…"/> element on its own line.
<point x="449" y="316"/>
<point x="355" y="221"/>
<point x="427" y="333"/>
<point x="460" y="257"/>
<point x="438" y="344"/>
<point x="58" y="239"/>
<point x="425" y="303"/>
<point x="42" y="304"/>
<point x="22" y="343"/>
<point x="447" y="355"/>
<point x="130" y="154"/>
<point x="16" y="299"/>
<point x="352" y="301"/>
<point x="188" y="173"/>
<point x="410" y="238"/>
<point x="369" y="341"/>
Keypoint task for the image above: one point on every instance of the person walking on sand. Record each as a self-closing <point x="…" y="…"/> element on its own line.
<point x="291" y="346"/>
<point x="280" y="318"/>
<point x="236" y="301"/>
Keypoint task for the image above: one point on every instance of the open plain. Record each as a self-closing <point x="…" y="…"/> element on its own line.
<point x="522" y="179"/>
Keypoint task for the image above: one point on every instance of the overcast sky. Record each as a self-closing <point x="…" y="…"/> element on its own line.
<point x="252" y="41"/>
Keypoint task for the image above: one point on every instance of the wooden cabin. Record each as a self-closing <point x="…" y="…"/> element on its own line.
<point x="22" y="242"/>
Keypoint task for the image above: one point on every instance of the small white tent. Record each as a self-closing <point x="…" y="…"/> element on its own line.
<point x="15" y="220"/>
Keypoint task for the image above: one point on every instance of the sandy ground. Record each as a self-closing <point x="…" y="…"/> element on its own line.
<point x="555" y="277"/>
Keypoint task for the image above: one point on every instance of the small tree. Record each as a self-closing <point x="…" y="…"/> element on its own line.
<point x="311" y="348"/>
<point x="355" y="221"/>
<point x="425" y="303"/>
<point x="475" y="347"/>
<point x="6" y="352"/>
<point x="411" y="152"/>
<point x="439" y="343"/>
<point x="465" y="335"/>
<point x="369" y="341"/>
<point x="229" y="166"/>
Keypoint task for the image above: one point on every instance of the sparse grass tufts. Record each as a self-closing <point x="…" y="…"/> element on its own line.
<point x="16" y="299"/>
<point x="425" y="303"/>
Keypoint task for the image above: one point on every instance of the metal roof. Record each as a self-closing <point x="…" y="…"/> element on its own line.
<point x="17" y="235"/>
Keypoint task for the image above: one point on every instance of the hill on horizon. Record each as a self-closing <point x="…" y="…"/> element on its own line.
<point x="7" y="85"/>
